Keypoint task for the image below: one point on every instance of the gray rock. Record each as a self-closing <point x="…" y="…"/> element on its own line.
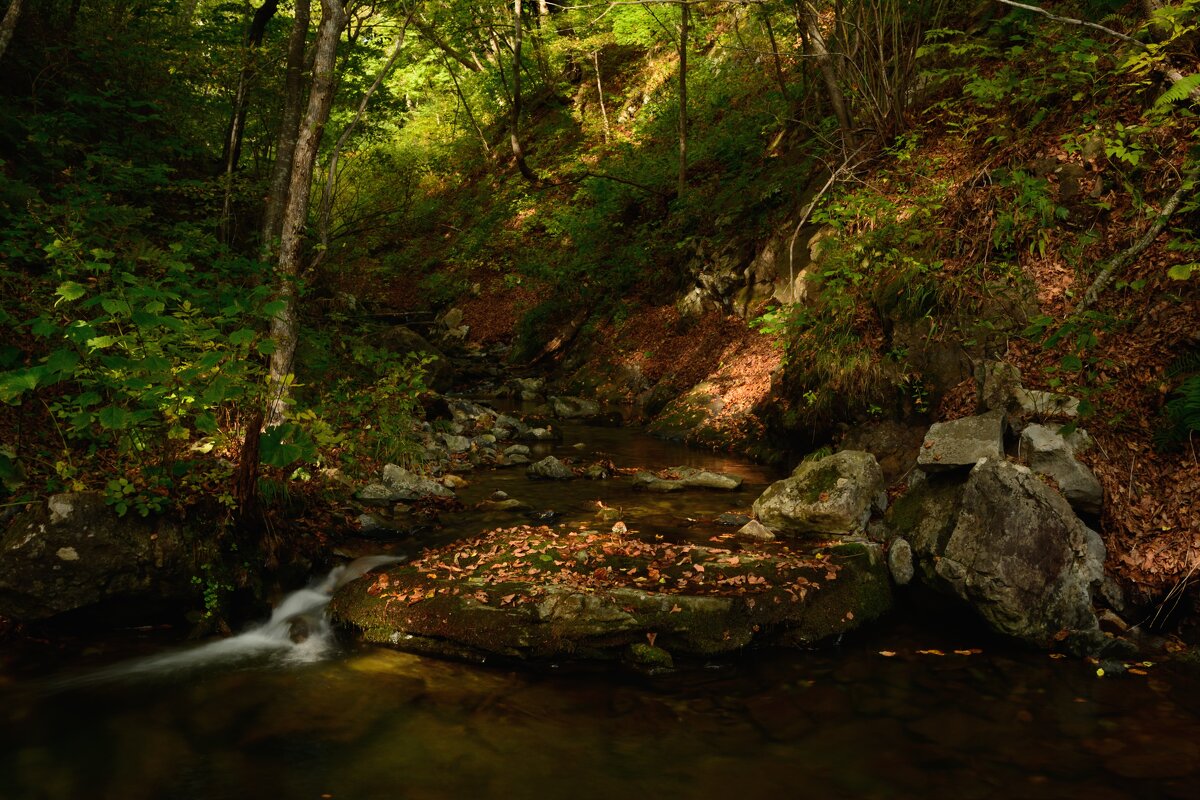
<point x="755" y="531"/>
<point x="1021" y="558"/>
<point x="550" y="468"/>
<point x="730" y="518"/>
<point x="834" y="494"/>
<point x="517" y="458"/>
<point x="997" y="384"/>
<point x="485" y="440"/>
<point x="962" y="443"/>
<point x="597" y="472"/>
<point x="516" y="449"/>
<point x="74" y="552"/>
<point x="377" y="494"/>
<point x="1052" y="455"/>
<point x="1044" y="405"/>
<point x="572" y="407"/>
<point x="900" y="562"/>
<point x="456" y="444"/>
<point x="689" y="478"/>
<point x="404" y="485"/>
<point x="537" y="435"/>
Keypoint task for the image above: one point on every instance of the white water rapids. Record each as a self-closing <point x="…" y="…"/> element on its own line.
<point x="298" y="632"/>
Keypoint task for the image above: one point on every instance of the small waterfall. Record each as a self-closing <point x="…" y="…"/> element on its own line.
<point x="298" y="632"/>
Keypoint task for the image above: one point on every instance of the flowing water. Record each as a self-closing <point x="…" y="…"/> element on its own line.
<point x="264" y="715"/>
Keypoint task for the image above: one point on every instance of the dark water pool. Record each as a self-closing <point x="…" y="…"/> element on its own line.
<point x="843" y="722"/>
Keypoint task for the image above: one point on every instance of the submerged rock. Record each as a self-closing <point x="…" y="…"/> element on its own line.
<point x="834" y="494"/>
<point x="546" y="594"/>
<point x="686" y="478"/>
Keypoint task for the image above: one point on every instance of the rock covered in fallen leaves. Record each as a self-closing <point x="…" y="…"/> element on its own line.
<point x="679" y="478"/>
<point x="534" y="592"/>
<point x="835" y="494"/>
<point x="550" y="469"/>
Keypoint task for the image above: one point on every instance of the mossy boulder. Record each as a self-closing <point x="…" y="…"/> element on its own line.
<point x="680" y="478"/>
<point x="536" y="593"/>
<point x="835" y="494"/>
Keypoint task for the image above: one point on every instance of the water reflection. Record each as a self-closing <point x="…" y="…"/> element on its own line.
<point x="844" y="723"/>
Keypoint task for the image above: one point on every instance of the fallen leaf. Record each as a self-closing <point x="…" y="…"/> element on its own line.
<point x="930" y="653"/>
<point x="887" y="653"/>
<point x="650" y="637"/>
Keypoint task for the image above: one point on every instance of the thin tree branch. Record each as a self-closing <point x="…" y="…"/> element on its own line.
<point x="1122" y="259"/>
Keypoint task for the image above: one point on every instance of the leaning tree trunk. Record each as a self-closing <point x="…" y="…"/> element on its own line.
<point x="9" y="24"/>
<point x="806" y="21"/>
<point x="289" y="131"/>
<point x="283" y="324"/>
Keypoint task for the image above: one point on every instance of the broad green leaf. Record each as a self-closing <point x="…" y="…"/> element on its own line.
<point x="70" y="291"/>
<point x="241" y="336"/>
<point x="16" y="383"/>
<point x="114" y="418"/>
<point x="61" y="363"/>
<point x="1183" y="272"/>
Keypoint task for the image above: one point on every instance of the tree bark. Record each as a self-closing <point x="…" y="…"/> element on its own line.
<point x="462" y="98"/>
<point x="9" y="24"/>
<point x="289" y="131"/>
<point x="684" y="19"/>
<point x="320" y="98"/>
<point x="515" y="122"/>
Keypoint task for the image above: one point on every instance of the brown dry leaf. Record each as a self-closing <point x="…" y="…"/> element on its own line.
<point x="887" y="653"/>
<point x="930" y="653"/>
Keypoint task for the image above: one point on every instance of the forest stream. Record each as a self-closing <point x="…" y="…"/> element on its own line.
<point x="900" y="709"/>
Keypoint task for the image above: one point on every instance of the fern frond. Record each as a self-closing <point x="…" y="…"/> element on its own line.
<point x="1184" y="364"/>
<point x="1179" y="91"/>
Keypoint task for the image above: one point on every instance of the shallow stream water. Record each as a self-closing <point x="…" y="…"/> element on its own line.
<point x="871" y="717"/>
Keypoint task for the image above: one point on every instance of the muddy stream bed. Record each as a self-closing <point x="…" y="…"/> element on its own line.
<point x="892" y="712"/>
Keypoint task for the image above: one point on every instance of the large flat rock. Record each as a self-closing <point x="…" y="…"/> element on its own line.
<point x="962" y="443"/>
<point x="527" y="593"/>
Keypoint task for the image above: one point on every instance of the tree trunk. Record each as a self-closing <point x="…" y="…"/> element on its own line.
<point x="9" y="24"/>
<point x="237" y="122"/>
<point x="462" y="98"/>
<point x="814" y="42"/>
<point x="326" y="211"/>
<point x="518" y="151"/>
<point x="284" y="324"/>
<point x="289" y="130"/>
<point x="684" y="20"/>
<point x="600" y="91"/>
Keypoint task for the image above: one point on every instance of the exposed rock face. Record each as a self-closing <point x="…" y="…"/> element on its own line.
<point x="900" y="562"/>
<point x="75" y="552"/>
<point x="832" y="495"/>
<point x="551" y="469"/>
<point x="997" y="384"/>
<point x="961" y="443"/>
<point x="573" y="605"/>
<point x="1021" y="558"/>
<point x="1053" y="455"/>
<point x="689" y="478"/>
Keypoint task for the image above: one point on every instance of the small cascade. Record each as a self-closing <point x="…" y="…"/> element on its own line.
<point x="298" y="632"/>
